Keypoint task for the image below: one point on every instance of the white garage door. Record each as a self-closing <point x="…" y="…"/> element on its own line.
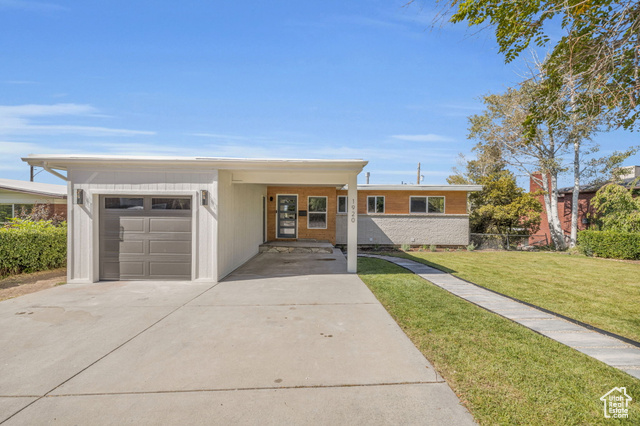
<point x="145" y="237"/>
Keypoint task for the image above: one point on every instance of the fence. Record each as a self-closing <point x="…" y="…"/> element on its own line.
<point x="502" y="241"/>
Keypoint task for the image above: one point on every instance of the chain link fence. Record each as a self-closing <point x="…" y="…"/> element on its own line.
<point x="504" y="241"/>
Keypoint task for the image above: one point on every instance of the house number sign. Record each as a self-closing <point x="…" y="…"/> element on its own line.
<point x="353" y="210"/>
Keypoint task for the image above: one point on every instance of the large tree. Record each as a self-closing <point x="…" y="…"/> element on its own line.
<point x="598" y="52"/>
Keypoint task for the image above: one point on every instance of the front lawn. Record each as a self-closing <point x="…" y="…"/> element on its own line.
<point x="602" y="292"/>
<point x="503" y="372"/>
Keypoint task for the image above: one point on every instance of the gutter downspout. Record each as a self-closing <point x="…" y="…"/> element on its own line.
<point x="53" y="172"/>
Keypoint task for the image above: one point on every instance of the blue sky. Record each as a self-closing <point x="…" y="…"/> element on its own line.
<point x="316" y="79"/>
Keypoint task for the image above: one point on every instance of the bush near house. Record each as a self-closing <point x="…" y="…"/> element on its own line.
<point x="30" y="246"/>
<point x="612" y="244"/>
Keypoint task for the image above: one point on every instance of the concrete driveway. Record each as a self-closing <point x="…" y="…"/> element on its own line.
<point x="287" y="338"/>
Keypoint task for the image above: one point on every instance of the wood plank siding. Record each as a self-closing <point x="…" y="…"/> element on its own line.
<point x="397" y="201"/>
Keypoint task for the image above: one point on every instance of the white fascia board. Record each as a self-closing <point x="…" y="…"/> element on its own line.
<point x="468" y="188"/>
<point x="62" y="162"/>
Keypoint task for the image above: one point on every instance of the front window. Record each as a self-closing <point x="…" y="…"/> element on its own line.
<point x="8" y="211"/>
<point x="317" y="217"/>
<point x="375" y="204"/>
<point x="342" y="204"/>
<point x="426" y="205"/>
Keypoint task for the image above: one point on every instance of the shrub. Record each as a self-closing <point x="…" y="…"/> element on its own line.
<point x="406" y="247"/>
<point x="29" y="246"/>
<point x="612" y="244"/>
<point x="432" y="247"/>
<point x="471" y="247"/>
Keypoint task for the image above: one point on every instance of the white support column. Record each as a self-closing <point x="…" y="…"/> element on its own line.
<point x="352" y="225"/>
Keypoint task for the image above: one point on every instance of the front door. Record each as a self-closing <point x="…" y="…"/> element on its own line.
<point x="287" y="216"/>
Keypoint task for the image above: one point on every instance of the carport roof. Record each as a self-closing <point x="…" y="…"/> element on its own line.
<point x="62" y="162"/>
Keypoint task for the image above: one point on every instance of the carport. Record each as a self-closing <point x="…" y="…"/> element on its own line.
<point x="180" y="218"/>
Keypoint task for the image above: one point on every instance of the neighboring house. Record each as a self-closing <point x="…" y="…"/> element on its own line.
<point x="16" y="195"/>
<point x="200" y="218"/>
<point x="565" y="201"/>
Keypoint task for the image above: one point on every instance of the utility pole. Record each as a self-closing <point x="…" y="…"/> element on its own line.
<point x="31" y="177"/>
<point x="418" y="180"/>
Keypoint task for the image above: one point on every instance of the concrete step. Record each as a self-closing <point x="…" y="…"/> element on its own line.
<point x="300" y="246"/>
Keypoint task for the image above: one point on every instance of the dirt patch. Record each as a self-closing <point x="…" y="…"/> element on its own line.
<point x="18" y="285"/>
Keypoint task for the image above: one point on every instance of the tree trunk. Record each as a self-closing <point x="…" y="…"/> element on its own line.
<point x="575" y="195"/>
<point x="549" y="185"/>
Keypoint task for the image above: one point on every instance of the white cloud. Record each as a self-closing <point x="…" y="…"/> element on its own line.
<point x="429" y="137"/>
<point x="18" y="120"/>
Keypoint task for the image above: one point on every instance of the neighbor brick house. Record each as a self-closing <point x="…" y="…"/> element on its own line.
<point x="565" y="202"/>
<point x="18" y="195"/>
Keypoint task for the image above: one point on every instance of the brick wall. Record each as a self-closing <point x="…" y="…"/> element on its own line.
<point x="303" y="192"/>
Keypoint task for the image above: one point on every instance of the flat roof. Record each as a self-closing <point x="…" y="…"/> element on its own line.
<point x="37" y="188"/>
<point x="373" y="187"/>
<point x="61" y="162"/>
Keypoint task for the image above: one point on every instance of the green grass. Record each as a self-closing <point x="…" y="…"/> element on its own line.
<point x="503" y="372"/>
<point x="602" y="292"/>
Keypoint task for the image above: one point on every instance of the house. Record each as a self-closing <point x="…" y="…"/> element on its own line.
<point x="565" y="200"/>
<point x="198" y="219"/>
<point x="16" y="195"/>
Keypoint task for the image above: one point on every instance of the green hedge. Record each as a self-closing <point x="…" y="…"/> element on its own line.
<point x="30" y="250"/>
<point x="612" y="244"/>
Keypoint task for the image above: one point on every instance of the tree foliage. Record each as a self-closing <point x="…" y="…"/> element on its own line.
<point x="616" y="208"/>
<point x="502" y="207"/>
<point x="599" y="52"/>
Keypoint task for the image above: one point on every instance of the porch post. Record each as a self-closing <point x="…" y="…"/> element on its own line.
<point x="352" y="224"/>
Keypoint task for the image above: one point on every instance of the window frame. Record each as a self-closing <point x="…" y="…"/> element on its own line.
<point x="384" y="204"/>
<point x="426" y="197"/>
<point x="16" y="208"/>
<point x="325" y="212"/>
<point x="346" y="204"/>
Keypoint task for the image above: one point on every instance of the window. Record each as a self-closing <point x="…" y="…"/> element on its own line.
<point x="123" y="203"/>
<point x="426" y="204"/>
<point x="171" y="203"/>
<point x="436" y="205"/>
<point x="342" y="204"/>
<point x="375" y="204"/>
<point x="8" y="211"/>
<point x="317" y="217"/>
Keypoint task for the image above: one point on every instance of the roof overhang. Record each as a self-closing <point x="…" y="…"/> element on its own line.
<point x="272" y="171"/>
<point x="34" y="188"/>
<point x="467" y="188"/>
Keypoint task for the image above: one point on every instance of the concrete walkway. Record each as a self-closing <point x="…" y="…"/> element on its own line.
<point x="609" y="350"/>
<point x="286" y="339"/>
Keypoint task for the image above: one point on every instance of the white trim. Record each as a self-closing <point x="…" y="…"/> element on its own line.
<point x="326" y="211"/>
<point x="346" y="204"/>
<point x="419" y="187"/>
<point x="277" y="218"/>
<point x="384" y="204"/>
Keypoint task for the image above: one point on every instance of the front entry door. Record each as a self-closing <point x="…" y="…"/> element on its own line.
<point x="287" y="216"/>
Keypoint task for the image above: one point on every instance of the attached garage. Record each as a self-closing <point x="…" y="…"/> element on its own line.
<point x="145" y="237"/>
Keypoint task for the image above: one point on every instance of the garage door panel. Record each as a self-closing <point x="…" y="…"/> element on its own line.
<point x="173" y="247"/>
<point x="169" y="269"/>
<point x="145" y="243"/>
<point x="169" y="225"/>
<point x="117" y="247"/>
<point x="124" y="224"/>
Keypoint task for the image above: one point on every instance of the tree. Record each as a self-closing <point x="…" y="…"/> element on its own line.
<point x="599" y="53"/>
<point x="616" y="208"/>
<point x="502" y="207"/>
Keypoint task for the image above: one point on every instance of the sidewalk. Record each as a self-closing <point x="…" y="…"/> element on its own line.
<point x="609" y="350"/>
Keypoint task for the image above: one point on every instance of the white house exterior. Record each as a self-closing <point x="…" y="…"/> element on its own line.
<point x="179" y="217"/>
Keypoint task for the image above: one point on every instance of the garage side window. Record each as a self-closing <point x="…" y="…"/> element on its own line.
<point x="375" y="204"/>
<point x="171" y="203"/>
<point x="317" y="218"/>
<point x="124" y="203"/>
<point x="436" y="204"/>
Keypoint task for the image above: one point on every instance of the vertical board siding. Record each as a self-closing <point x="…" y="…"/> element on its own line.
<point x="239" y="222"/>
<point x="93" y="182"/>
